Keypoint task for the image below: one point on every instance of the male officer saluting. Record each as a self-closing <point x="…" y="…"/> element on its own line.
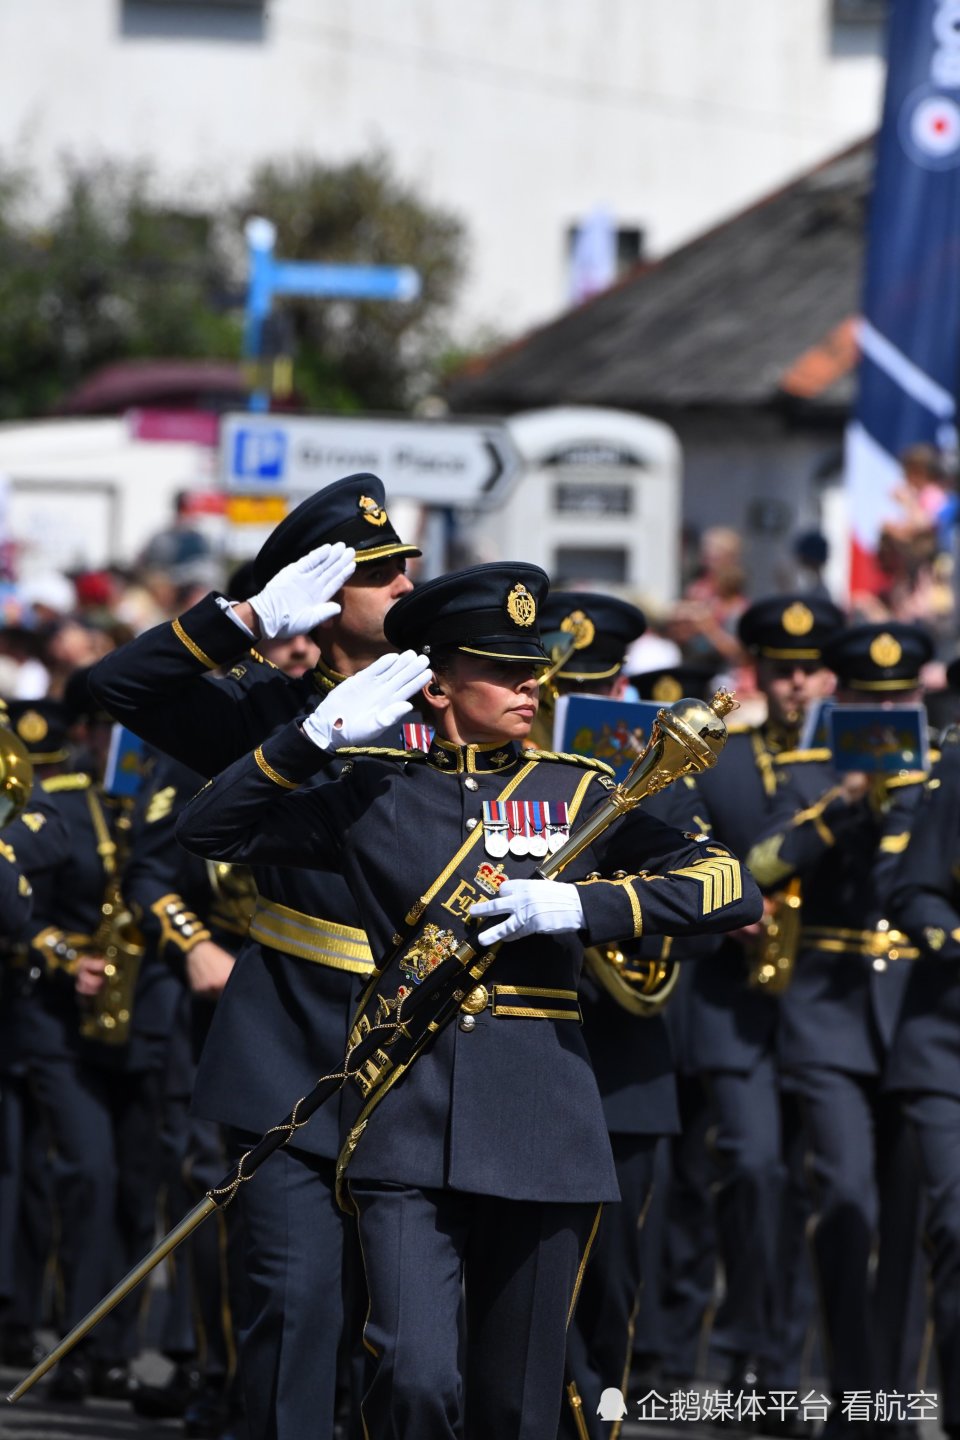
<point x="285" y="1013"/>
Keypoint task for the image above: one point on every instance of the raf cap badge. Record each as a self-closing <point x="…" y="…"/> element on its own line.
<point x="885" y="650"/>
<point x="667" y="689"/>
<point x="32" y="727"/>
<point x="581" y="627"/>
<point x="521" y="606"/>
<point x="797" y="619"/>
<point x="373" y="513"/>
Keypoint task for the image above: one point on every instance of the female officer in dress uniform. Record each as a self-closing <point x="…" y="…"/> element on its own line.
<point x="489" y="1161"/>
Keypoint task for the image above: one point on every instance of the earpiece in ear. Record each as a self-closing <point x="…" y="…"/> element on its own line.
<point x="434" y="688"/>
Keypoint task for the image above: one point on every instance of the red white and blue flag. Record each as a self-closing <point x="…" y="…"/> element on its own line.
<point x="910" y="331"/>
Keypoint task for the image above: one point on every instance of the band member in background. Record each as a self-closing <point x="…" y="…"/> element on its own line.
<point x="923" y="1070"/>
<point x="98" y="1100"/>
<point x="626" y="1037"/>
<point x="733" y="1020"/>
<point x="842" y="834"/>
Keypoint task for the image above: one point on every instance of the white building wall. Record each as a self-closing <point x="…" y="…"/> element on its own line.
<point x="521" y="115"/>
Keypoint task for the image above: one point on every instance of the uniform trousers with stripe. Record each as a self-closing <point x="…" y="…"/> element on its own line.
<point x="507" y="1271"/>
<point x="599" y="1345"/>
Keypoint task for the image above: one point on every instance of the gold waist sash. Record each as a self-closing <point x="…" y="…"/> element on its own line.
<point x="885" y="944"/>
<point x="307" y="937"/>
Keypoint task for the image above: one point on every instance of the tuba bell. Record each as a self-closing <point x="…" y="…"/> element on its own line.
<point x="641" y="987"/>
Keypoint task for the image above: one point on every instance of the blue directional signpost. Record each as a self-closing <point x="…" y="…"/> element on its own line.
<point x="270" y="277"/>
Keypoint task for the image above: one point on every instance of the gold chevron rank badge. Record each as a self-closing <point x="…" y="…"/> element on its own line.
<point x="720" y="878"/>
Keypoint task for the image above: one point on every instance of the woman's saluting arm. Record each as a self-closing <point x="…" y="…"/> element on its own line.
<point x="255" y="810"/>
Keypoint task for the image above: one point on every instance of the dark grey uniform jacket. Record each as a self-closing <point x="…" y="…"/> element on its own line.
<point x="509" y="1107"/>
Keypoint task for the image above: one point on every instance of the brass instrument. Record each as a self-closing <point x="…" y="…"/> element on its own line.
<point x="234" y="896"/>
<point x="16" y="775"/>
<point x="106" y="1016"/>
<point x="776" y="953"/>
<point x="641" y="987"/>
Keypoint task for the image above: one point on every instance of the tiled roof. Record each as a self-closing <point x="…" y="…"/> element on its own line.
<point x="758" y="310"/>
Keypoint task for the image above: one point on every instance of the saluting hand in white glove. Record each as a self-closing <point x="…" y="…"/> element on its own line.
<point x="298" y="597"/>
<point x="530" y="907"/>
<point x="364" y="705"/>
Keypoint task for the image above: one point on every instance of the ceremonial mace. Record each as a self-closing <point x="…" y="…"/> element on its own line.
<point x="686" y="737"/>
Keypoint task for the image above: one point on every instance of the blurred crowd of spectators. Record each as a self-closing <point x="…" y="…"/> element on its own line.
<point x="50" y="623"/>
<point x="916" y="569"/>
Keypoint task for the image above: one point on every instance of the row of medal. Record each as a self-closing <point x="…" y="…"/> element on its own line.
<point x="511" y="827"/>
<point x="524" y="827"/>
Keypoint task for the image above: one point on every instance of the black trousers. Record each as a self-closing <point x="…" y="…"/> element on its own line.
<point x="26" y="1206"/>
<point x="936" y="1124"/>
<point x="868" y="1202"/>
<point x="103" y="1127"/>
<point x="689" y="1236"/>
<point x="748" y="1197"/>
<point x="288" y="1334"/>
<point x="209" y="1279"/>
<point x="507" y="1270"/>
<point x="599" y="1342"/>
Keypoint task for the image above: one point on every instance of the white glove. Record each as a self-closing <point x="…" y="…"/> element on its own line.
<point x="364" y="705"/>
<point x="298" y="597"/>
<point x="531" y="907"/>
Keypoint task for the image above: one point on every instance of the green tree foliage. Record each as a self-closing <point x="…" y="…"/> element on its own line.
<point x="113" y="273"/>
<point x="353" y="355"/>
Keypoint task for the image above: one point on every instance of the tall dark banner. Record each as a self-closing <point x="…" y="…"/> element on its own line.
<point x="910" y="332"/>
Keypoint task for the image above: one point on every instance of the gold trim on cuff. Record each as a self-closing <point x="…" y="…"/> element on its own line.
<point x="272" y="774"/>
<point x="194" y="649"/>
